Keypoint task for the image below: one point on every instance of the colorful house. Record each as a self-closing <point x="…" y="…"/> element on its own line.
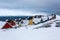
<point x="9" y="24"/>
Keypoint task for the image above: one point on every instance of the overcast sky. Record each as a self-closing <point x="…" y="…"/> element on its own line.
<point x="35" y="5"/>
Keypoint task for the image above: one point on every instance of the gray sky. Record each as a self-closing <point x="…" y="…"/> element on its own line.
<point x="35" y="5"/>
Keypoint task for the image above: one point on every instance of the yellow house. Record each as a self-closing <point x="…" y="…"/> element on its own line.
<point x="31" y="21"/>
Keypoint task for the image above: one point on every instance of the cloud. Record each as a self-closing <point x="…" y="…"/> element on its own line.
<point x="37" y="5"/>
<point x="27" y="3"/>
<point x="6" y="12"/>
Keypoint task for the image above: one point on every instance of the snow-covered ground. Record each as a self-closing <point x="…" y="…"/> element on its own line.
<point x="24" y="34"/>
<point x="29" y="33"/>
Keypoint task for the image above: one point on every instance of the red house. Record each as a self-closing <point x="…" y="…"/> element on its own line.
<point x="9" y="24"/>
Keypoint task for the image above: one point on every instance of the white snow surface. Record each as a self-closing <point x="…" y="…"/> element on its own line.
<point x="23" y="33"/>
<point x="28" y="33"/>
